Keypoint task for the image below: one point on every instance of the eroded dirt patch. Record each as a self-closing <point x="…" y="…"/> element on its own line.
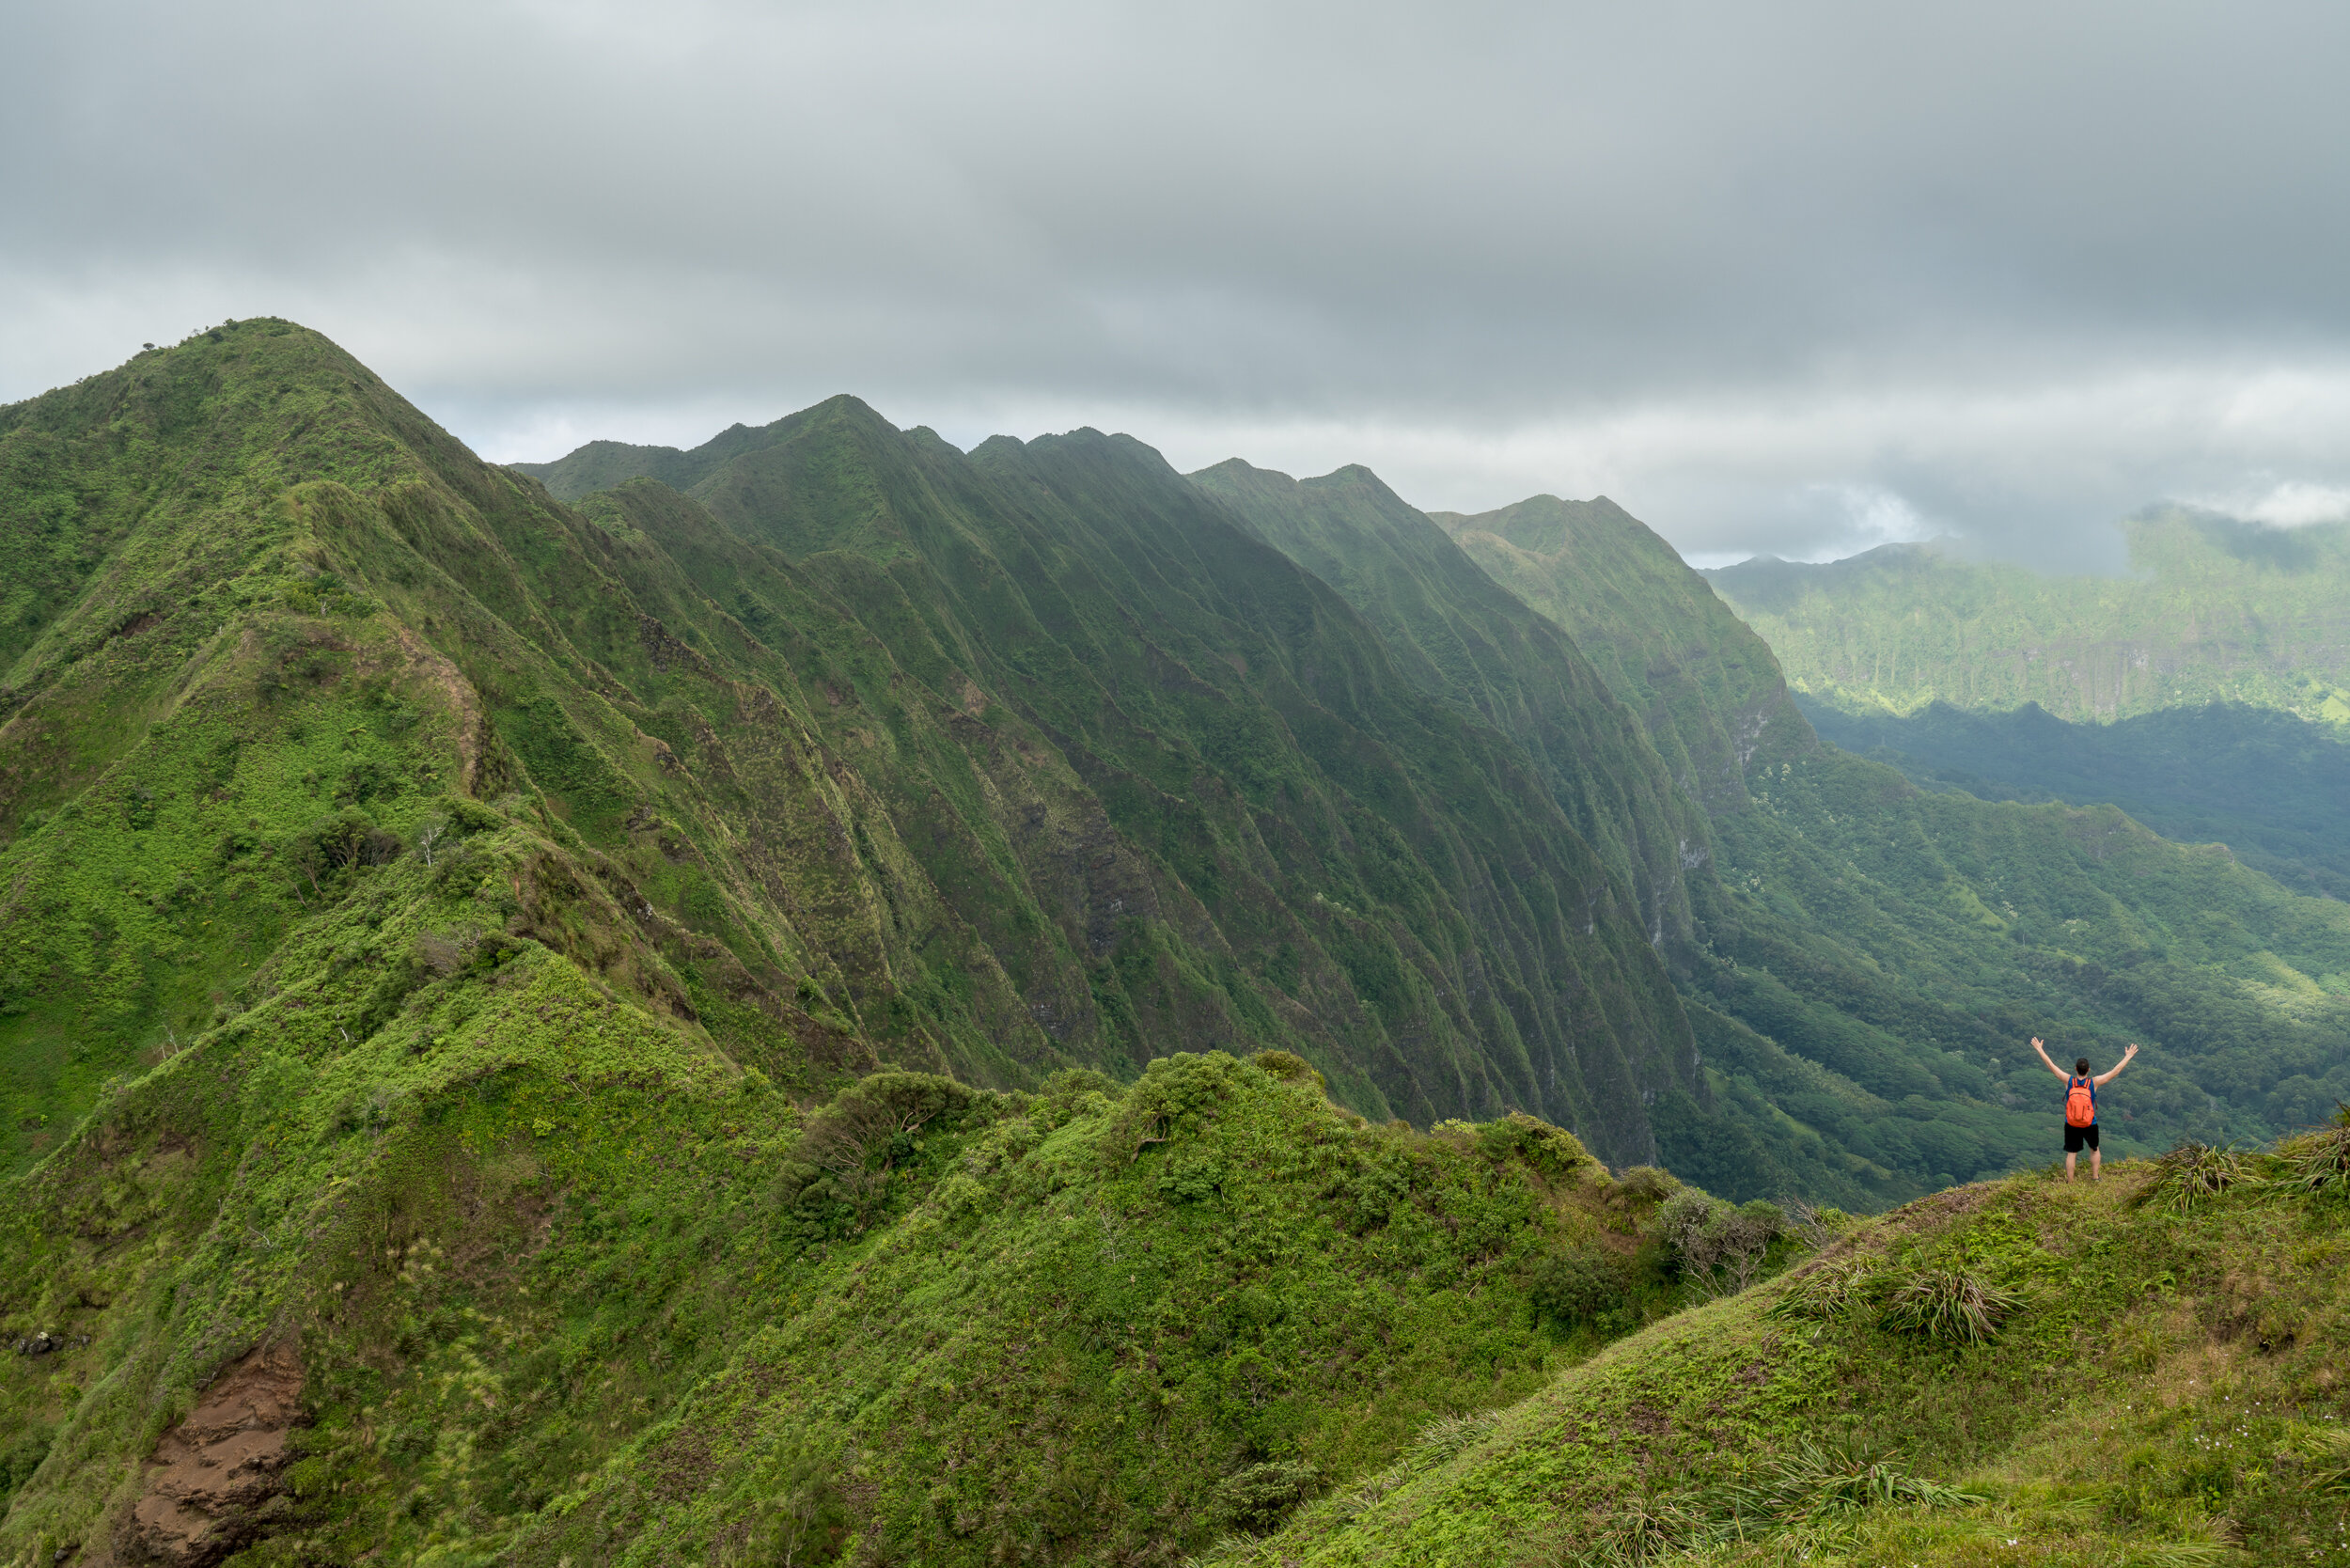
<point x="212" y="1484"/>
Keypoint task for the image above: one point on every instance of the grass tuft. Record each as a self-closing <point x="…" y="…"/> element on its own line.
<point x="1449" y="1437"/>
<point x="2319" y="1162"/>
<point x="1830" y="1292"/>
<point x="1954" y="1305"/>
<point x="2193" y="1174"/>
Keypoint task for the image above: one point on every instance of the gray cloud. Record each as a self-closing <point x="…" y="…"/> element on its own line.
<point x="1796" y="277"/>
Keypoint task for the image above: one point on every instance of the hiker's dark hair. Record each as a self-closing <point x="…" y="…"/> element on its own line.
<point x="2080" y="1066"/>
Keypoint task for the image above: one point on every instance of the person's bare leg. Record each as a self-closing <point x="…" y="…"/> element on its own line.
<point x="2070" y="1161"/>
<point x="2096" y="1164"/>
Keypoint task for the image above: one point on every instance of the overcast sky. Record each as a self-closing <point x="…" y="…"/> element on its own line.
<point x="1789" y="277"/>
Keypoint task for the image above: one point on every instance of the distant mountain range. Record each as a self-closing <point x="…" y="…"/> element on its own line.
<point x="2206" y="692"/>
<point x="2210" y="610"/>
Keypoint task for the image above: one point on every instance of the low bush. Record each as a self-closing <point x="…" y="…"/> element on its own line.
<point x="1261" y="1496"/>
<point x="1712" y="1245"/>
<point x="1573" y="1287"/>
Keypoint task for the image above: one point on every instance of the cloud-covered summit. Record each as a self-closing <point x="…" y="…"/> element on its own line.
<point x="1794" y="277"/>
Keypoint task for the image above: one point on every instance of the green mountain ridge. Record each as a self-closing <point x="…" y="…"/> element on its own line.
<point x="1709" y="697"/>
<point x="862" y="1011"/>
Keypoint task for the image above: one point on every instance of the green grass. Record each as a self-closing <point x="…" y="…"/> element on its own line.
<point x="2162" y="1389"/>
<point x="863" y="1013"/>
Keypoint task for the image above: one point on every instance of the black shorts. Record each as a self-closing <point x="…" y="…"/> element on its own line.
<point x="2078" y="1138"/>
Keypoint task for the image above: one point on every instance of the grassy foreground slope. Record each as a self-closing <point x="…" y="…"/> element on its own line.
<point x="2212" y="610"/>
<point x="527" y="1278"/>
<point x="2016" y="1371"/>
<point x="1868" y="959"/>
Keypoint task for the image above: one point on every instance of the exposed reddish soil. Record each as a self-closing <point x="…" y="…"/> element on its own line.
<point x="211" y="1478"/>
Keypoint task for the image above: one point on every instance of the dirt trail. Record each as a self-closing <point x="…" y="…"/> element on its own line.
<point x="212" y="1478"/>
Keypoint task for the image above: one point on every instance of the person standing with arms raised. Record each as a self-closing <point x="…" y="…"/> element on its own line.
<point x="2080" y="1107"/>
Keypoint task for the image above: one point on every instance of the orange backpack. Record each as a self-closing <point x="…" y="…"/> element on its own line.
<point x="2081" y="1104"/>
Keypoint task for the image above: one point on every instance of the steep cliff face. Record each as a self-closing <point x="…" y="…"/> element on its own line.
<point x="1708" y="690"/>
<point x="1464" y="637"/>
<point x="426" y="910"/>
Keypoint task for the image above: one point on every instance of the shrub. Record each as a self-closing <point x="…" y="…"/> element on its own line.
<point x="1176" y="1096"/>
<point x="1552" y="1152"/>
<point x="1642" y="1184"/>
<point x="1573" y="1287"/>
<point x="2193" y="1174"/>
<point x="1259" y="1497"/>
<point x="1955" y="1306"/>
<point x="1289" y="1067"/>
<point x="1704" y="1236"/>
<point x="333" y="847"/>
<point x="1074" y="1083"/>
<point x="874" y="1128"/>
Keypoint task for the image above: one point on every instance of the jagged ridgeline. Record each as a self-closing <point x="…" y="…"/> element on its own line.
<point x="600" y="1021"/>
<point x="990" y="765"/>
<point x="429" y="908"/>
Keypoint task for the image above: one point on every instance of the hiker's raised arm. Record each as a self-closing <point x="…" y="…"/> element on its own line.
<point x="2041" y="1046"/>
<point x="2108" y="1076"/>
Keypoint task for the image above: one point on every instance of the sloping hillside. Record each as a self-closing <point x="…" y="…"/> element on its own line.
<point x="1711" y="696"/>
<point x="2137" y="1372"/>
<point x="449" y="940"/>
<point x="524" y="1276"/>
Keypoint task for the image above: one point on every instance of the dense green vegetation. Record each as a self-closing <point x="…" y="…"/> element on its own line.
<point x="2210" y="610"/>
<point x="2272" y="787"/>
<point x="2143" y="1370"/>
<point x="553" y="1283"/>
<point x="902" y="1006"/>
